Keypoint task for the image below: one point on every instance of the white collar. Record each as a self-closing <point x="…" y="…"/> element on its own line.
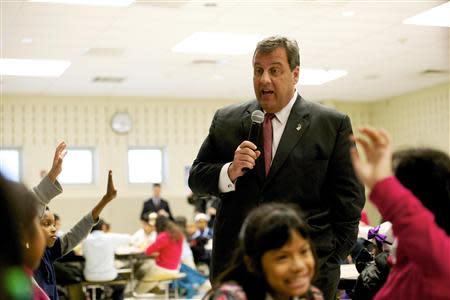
<point x="283" y="115"/>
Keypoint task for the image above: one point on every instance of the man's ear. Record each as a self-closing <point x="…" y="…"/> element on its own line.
<point x="251" y="265"/>
<point x="296" y="74"/>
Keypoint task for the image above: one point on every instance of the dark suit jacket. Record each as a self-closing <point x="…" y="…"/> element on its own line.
<point x="311" y="168"/>
<point x="149" y="207"/>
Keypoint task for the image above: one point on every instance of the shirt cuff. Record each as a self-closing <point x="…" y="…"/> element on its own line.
<point x="225" y="184"/>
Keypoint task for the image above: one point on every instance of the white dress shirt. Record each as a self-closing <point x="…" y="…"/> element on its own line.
<point x="278" y="125"/>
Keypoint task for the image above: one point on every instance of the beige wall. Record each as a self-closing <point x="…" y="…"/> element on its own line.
<point x="38" y="123"/>
<point x="420" y="118"/>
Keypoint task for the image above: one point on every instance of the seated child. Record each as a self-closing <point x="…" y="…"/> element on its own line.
<point x="417" y="203"/>
<point x="167" y="249"/>
<point x="99" y="251"/>
<point x="59" y="246"/>
<point x="200" y="239"/>
<point x="146" y="235"/>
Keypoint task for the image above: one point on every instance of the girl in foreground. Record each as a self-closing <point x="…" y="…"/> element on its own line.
<point x="275" y="259"/>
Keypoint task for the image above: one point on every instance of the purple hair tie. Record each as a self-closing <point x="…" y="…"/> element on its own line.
<point x="379" y="237"/>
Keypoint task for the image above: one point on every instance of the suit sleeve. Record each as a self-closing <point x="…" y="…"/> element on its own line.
<point x="346" y="194"/>
<point x="205" y="171"/>
<point x="168" y="210"/>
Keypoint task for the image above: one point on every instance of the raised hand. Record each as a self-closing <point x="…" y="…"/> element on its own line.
<point x="377" y="148"/>
<point x="244" y="158"/>
<point x="60" y="152"/>
<point x="111" y="192"/>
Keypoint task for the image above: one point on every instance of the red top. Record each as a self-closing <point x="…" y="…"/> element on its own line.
<point x="364" y="217"/>
<point x="38" y="292"/>
<point x="422" y="269"/>
<point x="169" y="251"/>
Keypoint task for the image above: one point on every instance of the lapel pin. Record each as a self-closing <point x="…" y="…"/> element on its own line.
<point x="299" y="126"/>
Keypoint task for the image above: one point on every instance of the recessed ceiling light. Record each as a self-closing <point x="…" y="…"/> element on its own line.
<point x="319" y="76"/>
<point x="26" y="40"/>
<point x="218" y="43"/>
<point x="33" y="67"/>
<point x="437" y="16"/>
<point x="89" y="2"/>
<point x="348" y="13"/>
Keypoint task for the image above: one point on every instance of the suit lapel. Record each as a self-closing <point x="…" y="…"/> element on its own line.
<point x="297" y="124"/>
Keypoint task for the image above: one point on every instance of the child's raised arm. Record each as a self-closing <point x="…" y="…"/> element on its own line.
<point x="60" y="152"/>
<point x="84" y="226"/>
<point x="111" y="193"/>
<point x="48" y="188"/>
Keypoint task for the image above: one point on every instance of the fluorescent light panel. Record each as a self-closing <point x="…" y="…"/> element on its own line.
<point x="319" y="76"/>
<point x="218" y="43"/>
<point x="89" y="2"/>
<point x="33" y="67"/>
<point x="437" y="16"/>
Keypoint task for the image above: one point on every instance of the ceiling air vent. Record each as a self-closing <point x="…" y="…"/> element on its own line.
<point x="164" y="4"/>
<point x="434" y="72"/>
<point x="105" y="52"/>
<point x="108" y="79"/>
<point x="205" y="62"/>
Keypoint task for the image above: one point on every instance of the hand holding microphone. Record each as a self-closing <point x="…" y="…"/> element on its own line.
<point x="246" y="153"/>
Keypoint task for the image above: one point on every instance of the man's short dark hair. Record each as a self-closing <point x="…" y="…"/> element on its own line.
<point x="271" y="43"/>
<point x="156" y="184"/>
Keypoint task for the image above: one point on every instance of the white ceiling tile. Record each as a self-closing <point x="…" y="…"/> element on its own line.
<point x="372" y="43"/>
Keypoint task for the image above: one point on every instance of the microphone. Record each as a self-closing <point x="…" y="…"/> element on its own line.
<point x="257" y="119"/>
<point x="255" y="128"/>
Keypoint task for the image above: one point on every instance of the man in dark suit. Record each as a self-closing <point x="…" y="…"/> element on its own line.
<point x="156" y="204"/>
<point x="302" y="157"/>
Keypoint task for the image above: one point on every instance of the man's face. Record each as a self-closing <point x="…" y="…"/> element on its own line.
<point x="156" y="191"/>
<point x="48" y="227"/>
<point x="273" y="81"/>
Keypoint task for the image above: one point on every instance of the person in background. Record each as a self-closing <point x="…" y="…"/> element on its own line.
<point x="411" y="189"/>
<point x="201" y="239"/>
<point x="156" y="204"/>
<point x="187" y="257"/>
<point x="57" y="247"/>
<point x="106" y="227"/>
<point x="194" y="280"/>
<point x="22" y="242"/>
<point x="275" y="258"/>
<point x="99" y="252"/>
<point x="301" y="157"/>
<point x="146" y="235"/>
<point x="201" y="222"/>
<point x="167" y="251"/>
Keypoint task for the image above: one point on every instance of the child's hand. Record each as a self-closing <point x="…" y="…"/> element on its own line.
<point x="378" y="163"/>
<point x="60" y="152"/>
<point x="111" y="192"/>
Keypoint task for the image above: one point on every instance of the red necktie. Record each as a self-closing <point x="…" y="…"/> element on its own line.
<point x="267" y="136"/>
